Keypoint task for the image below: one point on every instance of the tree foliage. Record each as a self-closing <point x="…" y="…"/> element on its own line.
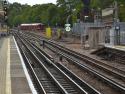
<point x="55" y="14"/>
<point x="45" y="13"/>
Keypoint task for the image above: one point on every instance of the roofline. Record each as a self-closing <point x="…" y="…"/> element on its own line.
<point x="31" y="24"/>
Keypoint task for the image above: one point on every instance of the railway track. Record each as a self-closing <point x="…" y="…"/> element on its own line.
<point x="83" y="57"/>
<point x="42" y="80"/>
<point x="80" y="56"/>
<point x="116" y="83"/>
<point x="86" y="58"/>
<point x="65" y="84"/>
<point x="120" y="75"/>
<point x="112" y="55"/>
<point x="99" y="74"/>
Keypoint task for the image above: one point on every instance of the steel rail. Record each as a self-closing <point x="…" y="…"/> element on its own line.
<point x="32" y="72"/>
<point x="115" y="53"/>
<point x="87" y="59"/>
<point x="116" y="72"/>
<point x="83" y="84"/>
<point x="49" y="74"/>
<point x="94" y="61"/>
<point x="77" y="86"/>
<point x="119" y="75"/>
<point x="114" y="84"/>
<point x="90" y="70"/>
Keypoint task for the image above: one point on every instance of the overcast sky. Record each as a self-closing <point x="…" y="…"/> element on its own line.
<point x="33" y="2"/>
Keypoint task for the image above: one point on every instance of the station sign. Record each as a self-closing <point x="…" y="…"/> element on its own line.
<point x="68" y="27"/>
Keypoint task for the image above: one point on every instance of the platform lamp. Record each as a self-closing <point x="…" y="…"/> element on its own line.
<point x="117" y="29"/>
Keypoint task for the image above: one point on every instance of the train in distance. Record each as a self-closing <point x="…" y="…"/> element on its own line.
<point x="32" y="26"/>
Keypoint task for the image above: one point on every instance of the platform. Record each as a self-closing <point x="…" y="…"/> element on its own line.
<point x="117" y="47"/>
<point x="14" y="78"/>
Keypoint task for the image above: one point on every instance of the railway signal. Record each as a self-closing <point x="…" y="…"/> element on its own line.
<point x="5" y="3"/>
<point x="86" y="2"/>
<point x="86" y="11"/>
<point x="5" y="9"/>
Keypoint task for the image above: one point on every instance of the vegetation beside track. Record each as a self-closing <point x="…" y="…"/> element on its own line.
<point x="54" y="14"/>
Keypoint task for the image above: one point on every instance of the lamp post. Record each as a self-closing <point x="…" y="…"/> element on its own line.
<point x="117" y="34"/>
<point x="116" y="20"/>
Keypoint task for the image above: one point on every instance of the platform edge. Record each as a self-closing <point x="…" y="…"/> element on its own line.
<point x="30" y="83"/>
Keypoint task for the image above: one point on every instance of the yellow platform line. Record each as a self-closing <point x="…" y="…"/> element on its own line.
<point x="8" y="78"/>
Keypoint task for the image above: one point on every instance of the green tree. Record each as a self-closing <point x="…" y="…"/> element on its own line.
<point x="56" y="14"/>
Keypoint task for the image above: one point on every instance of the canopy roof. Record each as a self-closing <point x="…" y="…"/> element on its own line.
<point x="29" y="24"/>
<point x="107" y="11"/>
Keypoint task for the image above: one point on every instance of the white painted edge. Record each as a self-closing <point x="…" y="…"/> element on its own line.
<point x="26" y="71"/>
<point x="8" y="78"/>
<point x="121" y="48"/>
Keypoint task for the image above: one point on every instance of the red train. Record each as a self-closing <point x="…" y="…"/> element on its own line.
<point x="33" y="26"/>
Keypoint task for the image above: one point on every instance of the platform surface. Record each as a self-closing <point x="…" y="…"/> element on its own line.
<point x="3" y="64"/>
<point x="12" y="76"/>
<point x="117" y="47"/>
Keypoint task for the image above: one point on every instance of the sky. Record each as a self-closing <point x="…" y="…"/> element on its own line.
<point x="33" y="2"/>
